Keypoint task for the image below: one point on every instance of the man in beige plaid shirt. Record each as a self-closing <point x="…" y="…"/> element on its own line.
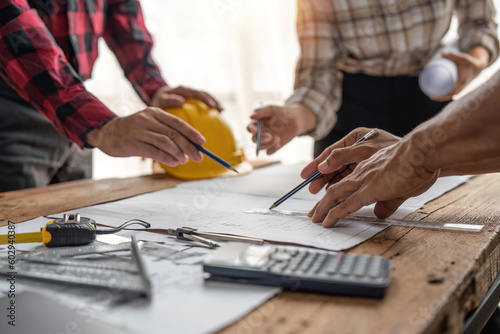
<point x="360" y="61"/>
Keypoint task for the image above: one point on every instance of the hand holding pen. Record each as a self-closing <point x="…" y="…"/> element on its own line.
<point x="338" y="160"/>
<point x="279" y="126"/>
<point x="328" y="164"/>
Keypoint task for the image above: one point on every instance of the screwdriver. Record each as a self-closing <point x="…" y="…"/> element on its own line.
<point x="71" y="230"/>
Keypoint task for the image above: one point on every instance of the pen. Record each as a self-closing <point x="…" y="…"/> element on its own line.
<point x="317" y="174"/>
<point x="215" y="157"/>
<point x="259" y="133"/>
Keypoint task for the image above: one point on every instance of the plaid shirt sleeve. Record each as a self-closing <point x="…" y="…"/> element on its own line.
<point x="477" y="26"/>
<point x="127" y="37"/>
<point x="33" y="64"/>
<point x="318" y="84"/>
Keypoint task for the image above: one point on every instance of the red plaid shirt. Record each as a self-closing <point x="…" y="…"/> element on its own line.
<point x="48" y="47"/>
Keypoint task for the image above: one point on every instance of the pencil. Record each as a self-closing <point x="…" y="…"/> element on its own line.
<point x="316" y="174"/>
<point x="259" y="134"/>
<point x="215" y="157"/>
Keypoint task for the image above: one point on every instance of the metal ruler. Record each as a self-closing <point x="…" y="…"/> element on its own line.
<point x="389" y="221"/>
<point x="125" y="274"/>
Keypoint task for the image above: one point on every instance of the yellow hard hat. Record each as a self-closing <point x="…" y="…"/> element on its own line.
<point x="219" y="138"/>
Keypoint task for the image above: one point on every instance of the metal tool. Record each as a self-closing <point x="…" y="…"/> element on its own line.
<point x="71" y="230"/>
<point x="192" y="234"/>
<point x="388" y="221"/>
<point x="59" y="265"/>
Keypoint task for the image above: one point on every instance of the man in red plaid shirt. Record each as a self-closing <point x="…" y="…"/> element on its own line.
<point x="47" y="49"/>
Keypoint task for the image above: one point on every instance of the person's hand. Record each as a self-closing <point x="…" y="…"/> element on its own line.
<point x="166" y="97"/>
<point x="387" y="178"/>
<point x="151" y="133"/>
<point x="280" y="125"/>
<point x="469" y="66"/>
<point x="340" y="159"/>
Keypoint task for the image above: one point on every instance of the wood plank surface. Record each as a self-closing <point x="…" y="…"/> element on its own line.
<point x="438" y="276"/>
<point x="22" y="205"/>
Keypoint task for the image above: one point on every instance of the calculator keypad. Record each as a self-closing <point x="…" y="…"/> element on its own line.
<point x="294" y="262"/>
<point x="308" y="269"/>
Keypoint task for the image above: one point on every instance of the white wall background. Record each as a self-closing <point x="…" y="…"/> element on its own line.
<point x="241" y="51"/>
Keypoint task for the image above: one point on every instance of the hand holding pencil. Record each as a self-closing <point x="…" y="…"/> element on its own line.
<point x="338" y="160"/>
<point x="279" y="125"/>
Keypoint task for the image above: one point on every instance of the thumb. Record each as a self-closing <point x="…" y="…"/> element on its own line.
<point x="455" y="57"/>
<point x="340" y="157"/>
<point x="384" y="209"/>
<point x="171" y="101"/>
<point x="264" y="112"/>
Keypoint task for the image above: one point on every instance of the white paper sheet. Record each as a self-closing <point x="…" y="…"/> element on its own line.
<point x="218" y="205"/>
<point x="182" y="302"/>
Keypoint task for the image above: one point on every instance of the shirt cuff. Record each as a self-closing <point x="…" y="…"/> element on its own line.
<point x="80" y="115"/>
<point x="148" y="86"/>
<point x="323" y="107"/>
<point x="484" y="39"/>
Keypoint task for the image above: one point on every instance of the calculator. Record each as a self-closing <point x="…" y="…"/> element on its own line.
<point x="300" y="269"/>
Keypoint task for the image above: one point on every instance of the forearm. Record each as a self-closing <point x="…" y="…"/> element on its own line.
<point x="318" y="84"/>
<point x="34" y="65"/>
<point x="481" y="54"/>
<point x="304" y="117"/>
<point x="488" y="166"/>
<point x="478" y="27"/>
<point x="464" y="136"/>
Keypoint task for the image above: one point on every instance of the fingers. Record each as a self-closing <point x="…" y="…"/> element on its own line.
<point x="456" y="57"/>
<point x="349" y="206"/>
<point x="151" y="133"/>
<point x="179" y="125"/>
<point x="166" y="100"/>
<point x="443" y="98"/>
<point x="153" y="152"/>
<point x="385" y="209"/>
<point x="208" y="99"/>
<point x="181" y="134"/>
<point x="274" y="128"/>
<point x="168" y="147"/>
<point x="310" y="169"/>
<point x="168" y="134"/>
<point x="334" y="195"/>
<point x="347" y="141"/>
<point x="266" y="112"/>
<point x="318" y="184"/>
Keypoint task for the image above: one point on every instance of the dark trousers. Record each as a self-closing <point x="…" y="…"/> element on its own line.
<point x="32" y="152"/>
<point x="394" y="104"/>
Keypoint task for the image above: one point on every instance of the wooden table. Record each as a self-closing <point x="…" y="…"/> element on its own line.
<point x="438" y="276"/>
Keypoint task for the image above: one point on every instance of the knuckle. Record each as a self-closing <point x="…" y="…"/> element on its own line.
<point x="143" y="117"/>
<point x="169" y="160"/>
<point x="172" y="133"/>
<point x="177" y="123"/>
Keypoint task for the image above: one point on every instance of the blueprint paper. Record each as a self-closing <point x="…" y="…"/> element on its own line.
<point x="181" y="301"/>
<point x="219" y="205"/>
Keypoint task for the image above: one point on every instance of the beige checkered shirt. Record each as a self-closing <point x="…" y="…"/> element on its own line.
<point x="380" y="38"/>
